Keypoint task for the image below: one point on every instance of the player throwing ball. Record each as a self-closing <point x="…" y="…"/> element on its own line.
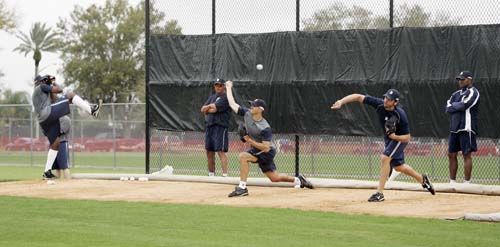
<point x="394" y="123"/>
<point x="257" y="132"/>
<point x="49" y="113"/>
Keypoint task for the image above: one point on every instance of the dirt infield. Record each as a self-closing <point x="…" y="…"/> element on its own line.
<point x="349" y="201"/>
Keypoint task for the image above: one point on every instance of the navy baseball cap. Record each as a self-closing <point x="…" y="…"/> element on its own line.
<point x="39" y="78"/>
<point x="392" y="94"/>
<point x="44" y="78"/>
<point x="220" y="81"/>
<point x="258" y="103"/>
<point x="464" y="74"/>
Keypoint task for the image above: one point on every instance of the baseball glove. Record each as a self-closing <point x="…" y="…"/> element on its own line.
<point x="390" y="125"/>
<point x="242" y="131"/>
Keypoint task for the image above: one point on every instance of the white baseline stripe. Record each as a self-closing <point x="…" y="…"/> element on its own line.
<point x="60" y="102"/>
<point x="396" y="148"/>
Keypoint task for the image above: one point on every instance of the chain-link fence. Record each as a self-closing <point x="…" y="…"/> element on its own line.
<point x="245" y="16"/>
<point x="345" y="157"/>
<point x="114" y="140"/>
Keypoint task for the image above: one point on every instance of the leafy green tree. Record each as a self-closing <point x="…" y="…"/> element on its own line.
<point x="7" y="17"/>
<point x="170" y="27"/>
<point x="338" y="16"/>
<point x="7" y="23"/>
<point x="40" y="39"/>
<point x="415" y="16"/>
<point x="103" y="48"/>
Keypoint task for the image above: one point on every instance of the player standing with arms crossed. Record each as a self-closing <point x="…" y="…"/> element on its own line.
<point x="217" y="115"/>
<point x="257" y="132"/>
<point x="48" y="114"/>
<point x="397" y="135"/>
<point x="463" y="108"/>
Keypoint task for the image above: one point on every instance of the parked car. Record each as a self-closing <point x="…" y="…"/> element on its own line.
<point x="101" y="142"/>
<point x="25" y="144"/>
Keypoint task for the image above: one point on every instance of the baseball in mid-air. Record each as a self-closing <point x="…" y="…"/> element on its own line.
<point x="259" y="66"/>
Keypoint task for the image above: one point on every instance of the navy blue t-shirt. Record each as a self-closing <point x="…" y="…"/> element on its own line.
<point x="222" y="115"/>
<point x="402" y="127"/>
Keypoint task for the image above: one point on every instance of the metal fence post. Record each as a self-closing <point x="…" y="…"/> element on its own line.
<point x="31" y="137"/>
<point x="72" y="130"/>
<point x="114" y="133"/>
<point x="391" y="13"/>
<point x="147" y="136"/>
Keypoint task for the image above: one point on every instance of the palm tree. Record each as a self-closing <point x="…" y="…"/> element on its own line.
<point x="40" y="39"/>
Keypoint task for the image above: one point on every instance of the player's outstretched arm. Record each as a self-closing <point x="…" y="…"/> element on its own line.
<point x="347" y="99"/>
<point x="230" y="97"/>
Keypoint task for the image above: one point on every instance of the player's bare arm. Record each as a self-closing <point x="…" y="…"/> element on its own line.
<point x="347" y="99"/>
<point x="204" y="109"/>
<point x="210" y="108"/>
<point x="230" y="97"/>
<point x="400" y="138"/>
<point x="264" y="146"/>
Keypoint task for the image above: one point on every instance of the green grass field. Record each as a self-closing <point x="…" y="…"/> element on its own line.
<point x="44" y="222"/>
<point x="48" y="222"/>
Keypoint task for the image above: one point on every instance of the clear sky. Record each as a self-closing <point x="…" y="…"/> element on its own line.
<point x="194" y="16"/>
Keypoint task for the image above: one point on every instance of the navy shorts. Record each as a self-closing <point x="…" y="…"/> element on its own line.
<point x="265" y="160"/>
<point x="51" y="126"/>
<point x="216" y="138"/>
<point x="62" y="160"/>
<point x="462" y="141"/>
<point x="395" y="150"/>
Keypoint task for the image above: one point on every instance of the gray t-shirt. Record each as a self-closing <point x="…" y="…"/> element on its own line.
<point x="41" y="101"/>
<point x="260" y="130"/>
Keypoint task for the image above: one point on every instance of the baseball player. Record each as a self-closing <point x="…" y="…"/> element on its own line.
<point x="217" y="115"/>
<point x="257" y="132"/>
<point x="463" y="108"/>
<point x="61" y="164"/>
<point x="49" y="113"/>
<point x="394" y="123"/>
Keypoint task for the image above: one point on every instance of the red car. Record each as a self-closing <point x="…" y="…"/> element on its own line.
<point x="25" y="143"/>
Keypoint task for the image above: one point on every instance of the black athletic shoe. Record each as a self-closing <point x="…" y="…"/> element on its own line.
<point x="94" y="110"/>
<point x="377" y="197"/>
<point x="48" y="175"/>
<point x="305" y="183"/>
<point x="239" y="192"/>
<point x="427" y="184"/>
